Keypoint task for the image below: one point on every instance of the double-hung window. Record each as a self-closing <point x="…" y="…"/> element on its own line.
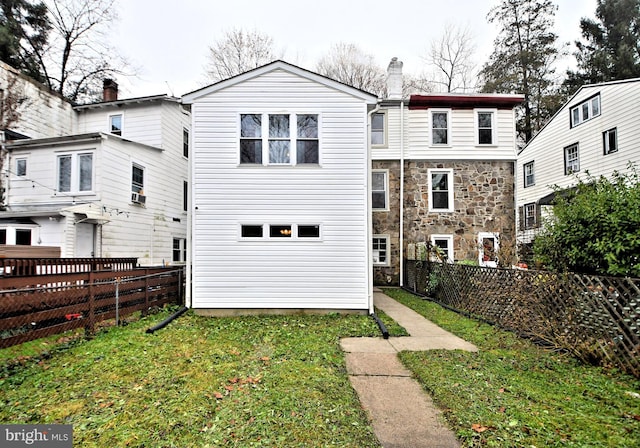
<point x="185" y="142"/>
<point x="529" y="174"/>
<point x="440" y="190"/>
<point x="179" y="250"/>
<point x="75" y="172"/>
<point x="377" y="129"/>
<point x="571" y="159"/>
<point x="381" y="250"/>
<point x="21" y="167"/>
<point x="586" y="110"/>
<point x="137" y="179"/>
<point x="485" y="122"/>
<point x="530" y="215"/>
<point x="379" y="190"/>
<point x="279" y="139"/>
<point x="440" y="125"/>
<point x="610" y="141"/>
<point x="444" y="246"/>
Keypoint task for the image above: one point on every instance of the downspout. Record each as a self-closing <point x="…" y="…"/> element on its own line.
<point x="369" y="213"/>
<point x="401" y="193"/>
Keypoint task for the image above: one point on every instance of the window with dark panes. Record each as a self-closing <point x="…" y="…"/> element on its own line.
<point x="179" y="250"/>
<point x="440" y="128"/>
<point x="379" y="190"/>
<point x="251" y="231"/>
<point x="185" y="142"/>
<point x="3" y="236"/>
<point x="185" y="195"/>
<point x="23" y="237"/>
<point x="380" y="250"/>
<point x="137" y="179"/>
<point x="485" y="128"/>
<point x="610" y="141"/>
<point x="280" y="231"/>
<point x="440" y="189"/>
<point x="306" y="231"/>
<point x="529" y="174"/>
<point x="307" y="146"/>
<point x="571" y="159"/>
<point x="251" y="138"/>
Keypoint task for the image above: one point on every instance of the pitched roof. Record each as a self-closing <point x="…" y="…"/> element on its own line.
<point x="189" y="98"/>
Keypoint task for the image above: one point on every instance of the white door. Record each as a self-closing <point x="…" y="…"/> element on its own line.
<point x="85" y="240"/>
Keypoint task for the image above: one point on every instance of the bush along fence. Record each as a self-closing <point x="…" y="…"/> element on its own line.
<point x="42" y="305"/>
<point x="595" y="318"/>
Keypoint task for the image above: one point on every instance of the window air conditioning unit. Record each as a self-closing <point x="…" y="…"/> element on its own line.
<point x="138" y="198"/>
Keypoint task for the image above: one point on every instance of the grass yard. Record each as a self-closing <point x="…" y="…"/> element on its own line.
<point x="516" y="394"/>
<point x="201" y="382"/>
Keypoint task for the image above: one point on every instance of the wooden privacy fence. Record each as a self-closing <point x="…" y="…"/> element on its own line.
<point x="38" y="306"/>
<point x="596" y="318"/>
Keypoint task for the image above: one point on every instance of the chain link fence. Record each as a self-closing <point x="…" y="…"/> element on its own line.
<point x="596" y="318"/>
<point x="32" y="307"/>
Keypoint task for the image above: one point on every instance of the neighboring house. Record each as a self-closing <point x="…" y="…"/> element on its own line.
<point x="451" y="158"/>
<point x="114" y="186"/>
<point x="280" y="193"/>
<point x="595" y="132"/>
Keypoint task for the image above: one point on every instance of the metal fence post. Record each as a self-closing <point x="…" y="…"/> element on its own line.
<point x="89" y="328"/>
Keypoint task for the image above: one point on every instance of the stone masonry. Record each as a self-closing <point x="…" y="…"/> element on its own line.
<point x="483" y="202"/>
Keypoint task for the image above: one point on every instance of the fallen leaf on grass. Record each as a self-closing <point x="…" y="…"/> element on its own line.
<point x="502" y="409"/>
<point x="479" y="428"/>
<point x="218" y="396"/>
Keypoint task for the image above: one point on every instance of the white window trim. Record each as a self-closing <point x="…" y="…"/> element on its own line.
<point x="387" y="262"/>
<point x="565" y="153"/>
<point x="75" y="172"/>
<point x="494" y="133"/>
<point x="449" y="172"/>
<point x="482" y="236"/>
<point x="11" y="230"/>
<point x="449" y="239"/>
<point x="533" y="173"/>
<point x="578" y="106"/>
<point x="386" y="190"/>
<point x="293" y="138"/>
<point x="525" y="208"/>
<point x="605" y="141"/>
<point x="440" y="145"/>
<point x="182" y="249"/>
<point x="144" y="177"/>
<point x="385" y="128"/>
<point x="266" y="229"/>
<point x="121" y="114"/>
<point x="26" y="168"/>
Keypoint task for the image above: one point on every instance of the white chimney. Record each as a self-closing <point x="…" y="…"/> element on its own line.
<point x="394" y="80"/>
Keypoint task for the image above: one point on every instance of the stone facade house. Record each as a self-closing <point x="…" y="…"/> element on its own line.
<point x="442" y="173"/>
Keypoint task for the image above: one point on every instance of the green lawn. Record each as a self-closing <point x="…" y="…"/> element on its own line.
<point x="251" y="381"/>
<point x="280" y="381"/>
<point x="516" y="394"/>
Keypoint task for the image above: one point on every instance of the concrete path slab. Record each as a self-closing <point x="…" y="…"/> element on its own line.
<point x="402" y="414"/>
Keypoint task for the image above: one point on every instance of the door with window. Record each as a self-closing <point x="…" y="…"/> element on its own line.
<point x="85" y="240"/>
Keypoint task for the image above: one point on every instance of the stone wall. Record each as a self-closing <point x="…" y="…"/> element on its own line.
<point x="483" y="202"/>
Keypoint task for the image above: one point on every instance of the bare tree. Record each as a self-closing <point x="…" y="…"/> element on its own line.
<point x="452" y="56"/>
<point x="237" y="52"/>
<point x="79" y="56"/>
<point x="350" y="65"/>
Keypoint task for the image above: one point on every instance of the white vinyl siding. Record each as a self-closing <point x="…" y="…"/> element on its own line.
<point x="618" y="109"/>
<point x="267" y="272"/>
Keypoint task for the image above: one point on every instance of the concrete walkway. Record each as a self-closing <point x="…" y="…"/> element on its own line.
<point x="402" y="414"/>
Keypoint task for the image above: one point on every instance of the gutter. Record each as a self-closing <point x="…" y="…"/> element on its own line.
<point x="369" y="212"/>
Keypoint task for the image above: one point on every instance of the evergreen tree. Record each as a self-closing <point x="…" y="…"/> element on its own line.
<point x="610" y="48"/>
<point x="24" y="27"/>
<point x="522" y="61"/>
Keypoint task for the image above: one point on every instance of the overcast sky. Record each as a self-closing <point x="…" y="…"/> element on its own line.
<point x="168" y="40"/>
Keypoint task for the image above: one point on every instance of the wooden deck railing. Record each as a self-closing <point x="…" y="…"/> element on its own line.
<point x="10" y="267"/>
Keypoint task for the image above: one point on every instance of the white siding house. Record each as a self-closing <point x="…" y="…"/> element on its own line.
<point x="108" y="188"/>
<point x="280" y="187"/>
<point x="596" y="131"/>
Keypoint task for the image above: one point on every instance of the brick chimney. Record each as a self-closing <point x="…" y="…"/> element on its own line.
<point x="110" y="90"/>
<point x="394" y="80"/>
